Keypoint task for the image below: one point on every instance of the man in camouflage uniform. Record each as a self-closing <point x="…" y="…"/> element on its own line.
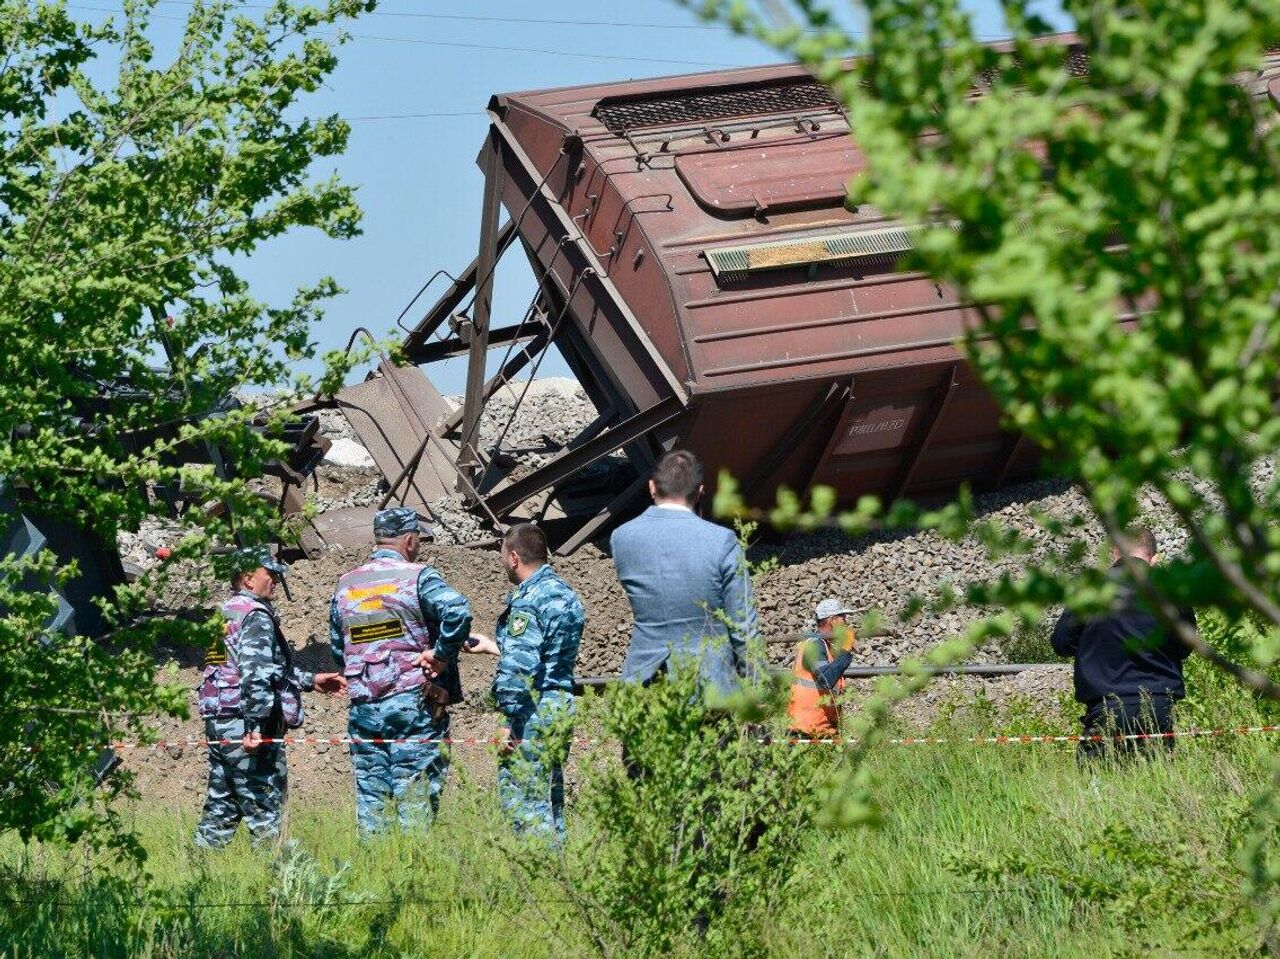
<point x="250" y="691"/>
<point x="538" y="635"/>
<point x="396" y="627"/>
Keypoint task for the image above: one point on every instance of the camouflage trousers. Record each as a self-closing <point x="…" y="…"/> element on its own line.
<point x="401" y="778"/>
<point x="530" y="784"/>
<point x="242" y="785"/>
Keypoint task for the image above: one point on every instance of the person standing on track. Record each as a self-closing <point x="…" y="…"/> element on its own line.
<point x="819" y="673"/>
<point x="397" y="627"/>
<point x="687" y="582"/>
<point x="1128" y="670"/>
<point x="538" y="634"/>
<point x="250" y="691"/>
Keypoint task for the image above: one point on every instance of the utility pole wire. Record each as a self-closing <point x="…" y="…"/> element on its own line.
<point x="540" y="51"/>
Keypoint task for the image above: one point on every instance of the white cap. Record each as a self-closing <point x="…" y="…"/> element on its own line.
<point x="831" y="607"/>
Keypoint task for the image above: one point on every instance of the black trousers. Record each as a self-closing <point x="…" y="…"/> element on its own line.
<point x="1115" y="718"/>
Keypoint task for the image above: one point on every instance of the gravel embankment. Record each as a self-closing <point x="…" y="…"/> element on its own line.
<point x="879" y="571"/>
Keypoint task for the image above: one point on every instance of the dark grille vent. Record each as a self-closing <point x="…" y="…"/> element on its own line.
<point x="1077" y="62"/>
<point x="621" y="115"/>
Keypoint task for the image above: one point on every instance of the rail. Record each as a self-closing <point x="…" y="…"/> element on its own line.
<point x="870" y="672"/>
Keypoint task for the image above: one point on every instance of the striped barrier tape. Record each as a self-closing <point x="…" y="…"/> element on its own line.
<point x="1003" y="740"/>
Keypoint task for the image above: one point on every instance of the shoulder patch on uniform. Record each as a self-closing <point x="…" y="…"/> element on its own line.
<point x="518" y="623"/>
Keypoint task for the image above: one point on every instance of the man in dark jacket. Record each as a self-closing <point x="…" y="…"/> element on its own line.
<point x="1128" y="670"/>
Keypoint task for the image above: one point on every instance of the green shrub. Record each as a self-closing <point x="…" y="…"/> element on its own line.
<point x="1149" y="877"/>
<point x="1215" y="699"/>
<point x="691" y="835"/>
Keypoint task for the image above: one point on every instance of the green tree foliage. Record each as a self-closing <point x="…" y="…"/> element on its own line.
<point x="696" y="832"/>
<point x="1116" y="230"/>
<point x="132" y="182"/>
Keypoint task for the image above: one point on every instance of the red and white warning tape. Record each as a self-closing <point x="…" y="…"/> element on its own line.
<point x="1009" y="740"/>
<point x="1019" y="740"/>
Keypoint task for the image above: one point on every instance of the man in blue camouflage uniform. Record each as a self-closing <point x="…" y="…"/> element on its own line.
<point x="250" y="691"/>
<point x="396" y="627"/>
<point x="538" y="637"/>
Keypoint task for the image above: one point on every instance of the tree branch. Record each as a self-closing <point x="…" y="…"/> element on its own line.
<point x="1171" y="619"/>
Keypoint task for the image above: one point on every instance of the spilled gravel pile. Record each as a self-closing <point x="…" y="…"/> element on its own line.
<point x="547" y="414"/>
<point x="523" y="426"/>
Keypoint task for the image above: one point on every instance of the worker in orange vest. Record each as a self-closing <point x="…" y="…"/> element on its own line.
<point x="819" y="672"/>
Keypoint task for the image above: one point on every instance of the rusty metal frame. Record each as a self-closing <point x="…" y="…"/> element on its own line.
<point x="607" y="515"/>
<point x="541" y="340"/>
<point x="599" y="439"/>
<point x="578" y="246"/>
<point x="591" y="373"/>
<point x="415" y="347"/>
<point x="505" y="499"/>
<point x="831" y="401"/>
<point x="456" y="346"/>
<point x="494" y="176"/>
<point x="1015" y="450"/>
<point x="409" y="469"/>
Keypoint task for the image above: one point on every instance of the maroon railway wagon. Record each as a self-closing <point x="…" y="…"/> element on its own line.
<point x="698" y="268"/>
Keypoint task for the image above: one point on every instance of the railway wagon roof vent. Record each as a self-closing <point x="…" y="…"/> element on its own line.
<point x="730" y="263"/>
<point x="619" y="114"/>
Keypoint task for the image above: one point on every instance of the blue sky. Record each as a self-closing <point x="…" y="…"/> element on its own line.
<point x="414" y="81"/>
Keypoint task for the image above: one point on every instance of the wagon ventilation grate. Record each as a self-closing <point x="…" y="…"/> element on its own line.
<point x="621" y="115"/>
<point x="730" y="263"/>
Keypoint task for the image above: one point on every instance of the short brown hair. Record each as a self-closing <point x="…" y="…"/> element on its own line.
<point x="678" y="476"/>
<point x="1139" y="539"/>
<point x="528" y="541"/>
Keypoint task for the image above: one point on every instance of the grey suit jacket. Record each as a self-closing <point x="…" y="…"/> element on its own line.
<point x="677" y="570"/>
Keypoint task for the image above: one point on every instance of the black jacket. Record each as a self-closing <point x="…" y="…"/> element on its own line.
<point x="1123" y="654"/>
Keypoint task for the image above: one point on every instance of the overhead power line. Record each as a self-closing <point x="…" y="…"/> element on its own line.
<point x="472" y="46"/>
<point x="475" y="18"/>
<point x="417" y="116"/>
<point x="557" y="53"/>
<point x="482" y="19"/>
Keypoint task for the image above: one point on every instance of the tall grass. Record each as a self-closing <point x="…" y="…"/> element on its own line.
<point x="985" y="851"/>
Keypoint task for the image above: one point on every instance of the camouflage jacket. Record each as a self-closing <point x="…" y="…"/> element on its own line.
<point x="249" y="673"/>
<point x="538" y="635"/>
<point x="384" y="614"/>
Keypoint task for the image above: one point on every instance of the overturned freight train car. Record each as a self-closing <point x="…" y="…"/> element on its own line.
<point x="699" y="270"/>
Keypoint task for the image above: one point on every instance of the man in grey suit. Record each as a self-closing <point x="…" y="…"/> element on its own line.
<point x="678" y="571"/>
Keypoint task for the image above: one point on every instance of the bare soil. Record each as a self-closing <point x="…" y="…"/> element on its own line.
<point x="321" y="773"/>
<point x="877" y="571"/>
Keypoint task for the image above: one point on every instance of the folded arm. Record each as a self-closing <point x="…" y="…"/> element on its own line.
<point x="444" y="605"/>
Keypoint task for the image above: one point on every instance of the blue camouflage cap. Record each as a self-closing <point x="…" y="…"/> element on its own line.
<point x="249" y="558"/>
<point x="400" y="520"/>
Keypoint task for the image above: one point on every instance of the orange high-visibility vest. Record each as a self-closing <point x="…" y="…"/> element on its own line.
<point x="813" y="710"/>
